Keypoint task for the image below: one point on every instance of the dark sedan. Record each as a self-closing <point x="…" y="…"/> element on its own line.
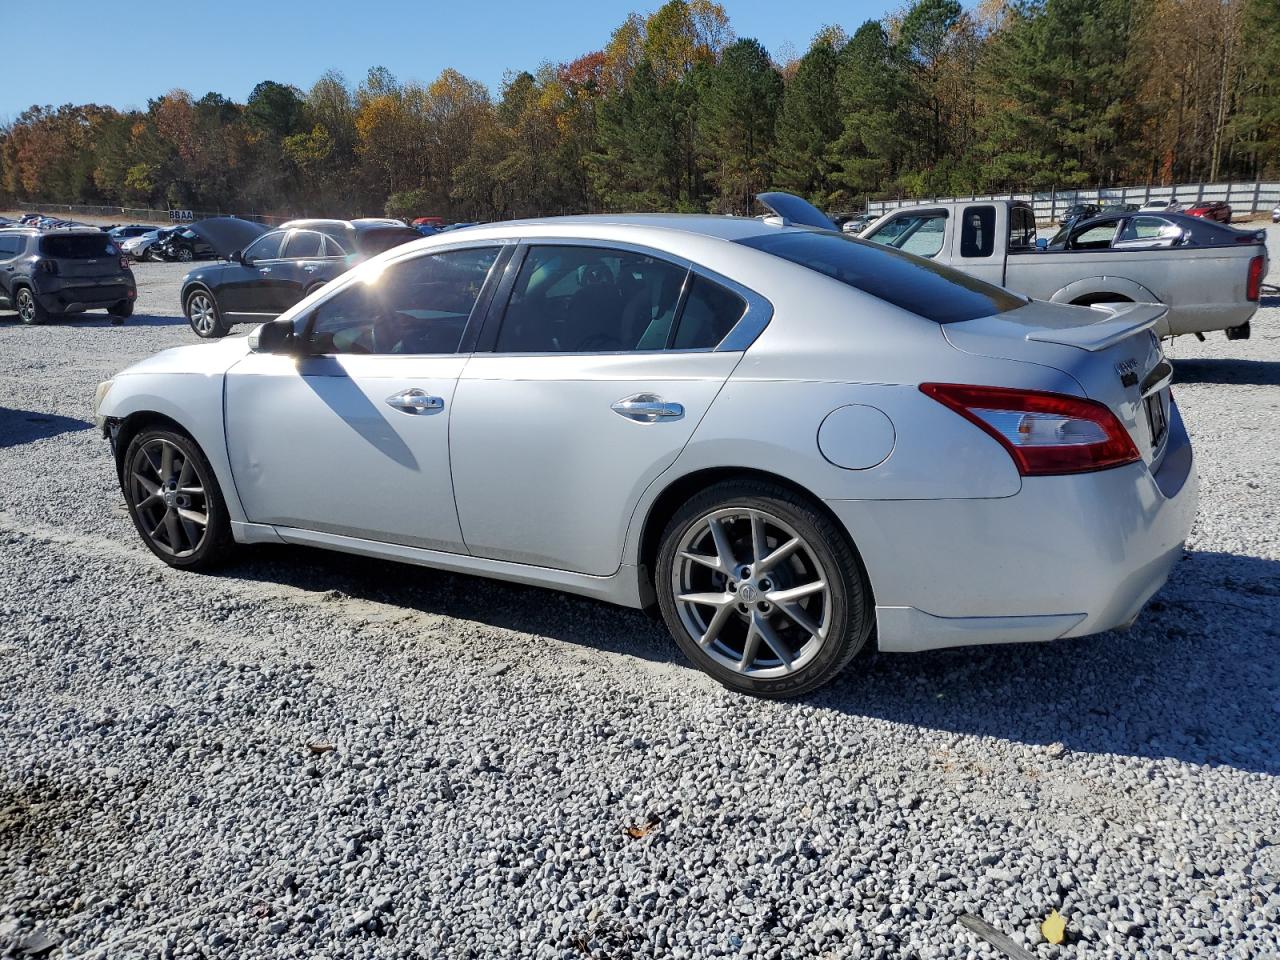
<point x="1144" y="230"/>
<point x="266" y="273"/>
<point x="182" y="244"/>
<point x="1078" y="211"/>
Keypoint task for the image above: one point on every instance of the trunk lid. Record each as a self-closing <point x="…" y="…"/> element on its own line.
<point x="1109" y="349"/>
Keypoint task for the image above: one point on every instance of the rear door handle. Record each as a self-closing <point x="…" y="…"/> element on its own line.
<point x="415" y="401"/>
<point x="647" y="408"/>
<point x="308" y="268"/>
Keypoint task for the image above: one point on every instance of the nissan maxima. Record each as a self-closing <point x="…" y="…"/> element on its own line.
<point x="788" y="442"/>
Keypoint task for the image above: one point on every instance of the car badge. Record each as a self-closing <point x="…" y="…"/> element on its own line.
<point x="1128" y="370"/>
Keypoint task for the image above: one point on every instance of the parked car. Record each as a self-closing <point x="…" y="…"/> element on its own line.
<point x="1218" y="210"/>
<point x="1210" y="285"/>
<point x="122" y="233"/>
<point x="268" y="271"/>
<point x="181" y="244"/>
<point x="1275" y="213"/>
<point x="47" y="274"/>
<point x="1118" y="208"/>
<point x="856" y="223"/>
<point x="1146" y="230"/>
<point x="140" y="247"/>
<point x="1162" y="205"/>
<point x="1078" y="211"/>
<point x="675" y="412"/>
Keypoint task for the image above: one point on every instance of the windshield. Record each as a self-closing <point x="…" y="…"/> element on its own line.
<point x="78" y="246"/>
<point x="927" y="289"/>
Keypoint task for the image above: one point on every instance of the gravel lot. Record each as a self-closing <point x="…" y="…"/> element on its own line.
<point x="167" y="787"/>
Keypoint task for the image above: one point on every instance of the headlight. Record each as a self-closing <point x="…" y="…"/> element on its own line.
<point x="98" y="396"/>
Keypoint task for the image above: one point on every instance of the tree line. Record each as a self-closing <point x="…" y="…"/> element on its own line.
<point x="677" y="113"/>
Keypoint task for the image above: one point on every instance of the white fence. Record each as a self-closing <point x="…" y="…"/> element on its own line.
<point x="1245" y="198"/>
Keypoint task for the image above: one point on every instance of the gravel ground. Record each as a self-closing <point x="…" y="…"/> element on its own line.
<point x="314" y="756"/>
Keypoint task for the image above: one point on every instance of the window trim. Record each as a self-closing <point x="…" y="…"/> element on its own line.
<point x="304" y="322"/>
<point x="739" y="337"/>
<point x="902" y="214"/>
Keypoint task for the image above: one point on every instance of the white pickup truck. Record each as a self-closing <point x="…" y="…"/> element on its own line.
<point x="1210" y="278"/>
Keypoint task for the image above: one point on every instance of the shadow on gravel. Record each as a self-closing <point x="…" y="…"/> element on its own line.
<point x="1195" y="679"/>
<point x="1257" y="373"/>
<point x="23" y="426"/>
<point x="137" y="320"/>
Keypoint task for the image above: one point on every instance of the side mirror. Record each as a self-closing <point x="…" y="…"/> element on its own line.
<point x="1042" y="243"/>
<point x="275" y="336"/>
<point x="237" y="256"/>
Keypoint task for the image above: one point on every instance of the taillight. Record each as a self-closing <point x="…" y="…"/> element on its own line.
<point x="124" y="263"/>
<point x="1046" y="434"/>
<point x="48" y="266"/>
<point x="1253" y="285"/>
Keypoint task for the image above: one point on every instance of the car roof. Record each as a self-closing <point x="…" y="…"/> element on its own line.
<point x="706" y="225"/>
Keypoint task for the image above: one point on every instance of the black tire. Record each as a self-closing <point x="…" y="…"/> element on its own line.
<point x="186" y="254"/>
<point x="121" y="312"/>
<point x="204" y="315"/>
<point x="29" y="309"/>
<point x="1242" y="332"/>
<point x="825" y="553"/>
<point x="150" y="517"/>
<point x="313" y="288"/>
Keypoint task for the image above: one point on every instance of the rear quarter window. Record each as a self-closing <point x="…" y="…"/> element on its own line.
<point x="78" y="246"/>
<point x="912" y="283"/>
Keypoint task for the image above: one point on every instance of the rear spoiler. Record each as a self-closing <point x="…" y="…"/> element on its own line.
<point x="1120" y="320"/>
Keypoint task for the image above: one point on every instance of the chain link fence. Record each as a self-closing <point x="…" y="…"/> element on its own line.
<point x="140" y="214"/>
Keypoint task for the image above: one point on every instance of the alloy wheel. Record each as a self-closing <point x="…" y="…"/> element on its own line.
<point x="26" y="305"/>
<point x="201" y="313"/>
<point x="752" y="593"/>
<point x="185" y="255"/>
<point x="168" y="492"/>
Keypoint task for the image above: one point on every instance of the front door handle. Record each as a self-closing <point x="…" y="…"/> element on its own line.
<point x="264" y="269"/>
<point x="415" y="401"/>
<point x="647" y="408"/>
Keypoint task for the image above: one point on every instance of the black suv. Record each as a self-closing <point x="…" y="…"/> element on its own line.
<point x="50" y="273"/>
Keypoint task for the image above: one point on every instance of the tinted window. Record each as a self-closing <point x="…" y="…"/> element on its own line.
<point x="266" y="247"/>
<point x="919" y="233"/>
<point x="10" y="247"/>
<point x="414" y="306"/>
<point x="978" y="232"/>
<point x="929" y="290"/>
<point x="303" y="243"/>
<point x="1022" y="229"/>
<point x="590" y="299"/>
<point x="709" y="313"/>
<point x="1096" y="237"/>
<point x="1148" y="228"/>
<point x="82" y="246"/>
<point x="372" y="242"/>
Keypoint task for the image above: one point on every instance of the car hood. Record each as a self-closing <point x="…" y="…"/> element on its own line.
<point x="197" y="359"/>
<point x="227" y="234"/>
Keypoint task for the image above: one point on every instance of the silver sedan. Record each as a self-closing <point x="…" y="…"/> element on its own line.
<point x="790" y="442"/>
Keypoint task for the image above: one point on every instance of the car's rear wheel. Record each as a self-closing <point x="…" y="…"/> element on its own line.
<point x="762" y="590"/>
<point x="121" y="311"/>
<point x="29" y="310"/>
<point x="174" y="499"/>
<point x="204" y="316"/>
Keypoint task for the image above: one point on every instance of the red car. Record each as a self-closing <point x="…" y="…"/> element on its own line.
<point x="1218" y="210"/>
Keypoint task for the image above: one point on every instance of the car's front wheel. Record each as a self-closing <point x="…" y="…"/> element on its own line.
<point x="204" y="316"/>
<point x="762" y="590"/>
<point x="174" y="499"/>
<point x="185" y="254"/>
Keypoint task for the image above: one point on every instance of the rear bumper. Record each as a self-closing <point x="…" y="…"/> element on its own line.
<point x="79" y="298"/>
<point x="1064" y="557"/>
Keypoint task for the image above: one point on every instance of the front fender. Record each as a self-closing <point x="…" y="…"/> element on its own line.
<point x="191" y="400"/>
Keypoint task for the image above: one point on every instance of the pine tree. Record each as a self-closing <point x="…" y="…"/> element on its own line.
<point x="809" y="126"/>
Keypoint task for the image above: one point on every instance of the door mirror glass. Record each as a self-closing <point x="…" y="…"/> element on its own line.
<point x="237" y="256"/>
<point x="1042" y="243"/>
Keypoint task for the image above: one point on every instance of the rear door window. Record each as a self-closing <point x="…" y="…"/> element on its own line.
<point x="576" y="299"/>
<point x="929" y="290"/>
<point x="978" y="232"/>
<point x="78" y="246"/>
<point x="1149" y="228"/>
<point x="303" y="244"/>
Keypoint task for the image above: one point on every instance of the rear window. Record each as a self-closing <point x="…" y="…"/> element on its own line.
<point x="82" y="246"/>
<point x="927" y="289"/>
<point x="373" y="242"/>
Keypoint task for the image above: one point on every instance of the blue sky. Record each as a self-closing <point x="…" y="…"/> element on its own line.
<point x="120" y="53"/>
